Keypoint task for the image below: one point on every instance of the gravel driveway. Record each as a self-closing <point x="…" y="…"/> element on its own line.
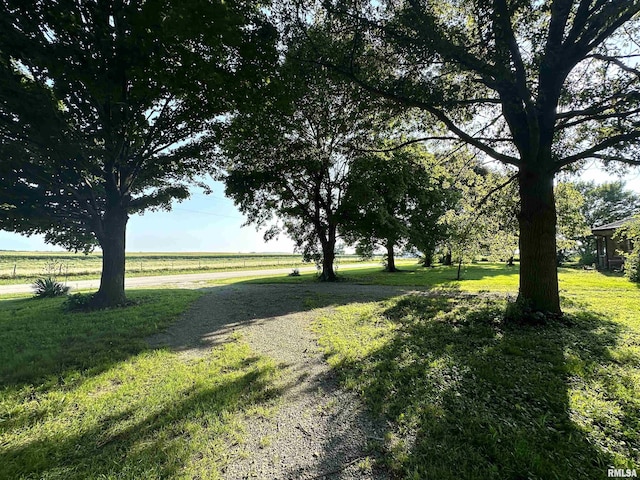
<point x="319" y="430"/>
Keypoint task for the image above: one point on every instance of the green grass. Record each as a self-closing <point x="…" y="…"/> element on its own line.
<point x="477" y="277"/>
<point x="467" y="396"/>
<point x="82" y="396"/>
<point x="496" y="277"/>
<point x="472" y="397"/>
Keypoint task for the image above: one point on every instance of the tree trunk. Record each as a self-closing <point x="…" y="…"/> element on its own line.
<point x="112" y="242"/>
<point x="391" y="261"/>
<point x="447" y="258"/>
<point x="537" y="220"/>
<point x="328" y="256"/>
<point x="427" y="260"/>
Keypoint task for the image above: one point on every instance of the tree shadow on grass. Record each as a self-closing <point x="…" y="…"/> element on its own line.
<point x="405" y="276"/>
<point x="474" y="398"/>
<point x="57" y="355"/>
<point x="438" y="276"/>
<point x="45" y="345"/>
<point x="214" y="318"/>
<point x="189" y="431"/>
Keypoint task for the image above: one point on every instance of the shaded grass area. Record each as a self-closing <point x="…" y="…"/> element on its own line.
<point x="472" y="397"/>
<point x="41" y="342"/>
<point x="82" y="396"/>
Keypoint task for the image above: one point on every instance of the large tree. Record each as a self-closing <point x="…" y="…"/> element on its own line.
<point x="287" y="159"/>
<point x="539" y="85"/>
<point x="107" y="108"/>
<point x="395" y="199"/>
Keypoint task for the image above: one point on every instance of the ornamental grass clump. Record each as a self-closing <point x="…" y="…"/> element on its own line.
<point x="47" y="287"/>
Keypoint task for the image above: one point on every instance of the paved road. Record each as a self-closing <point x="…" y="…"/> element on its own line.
<point x="133" y="282"/>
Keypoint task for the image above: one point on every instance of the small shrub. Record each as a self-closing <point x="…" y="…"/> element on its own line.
<point x="630" y="231"/>
<point x="78" y="302"/>
<point x="295" y="272"/>
<point x="632" y="266"/>
<point x="48" y="287"/>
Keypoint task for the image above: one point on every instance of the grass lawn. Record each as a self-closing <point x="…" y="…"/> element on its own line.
<point x="82" y="396"/>
<point x="472" y="397"/>
<point x="466" y="395"/>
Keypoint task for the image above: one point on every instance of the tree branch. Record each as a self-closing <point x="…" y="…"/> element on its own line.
<point x="620" y="115"/>
<point x="616" y="61"/>
<point x="496" y="189"/>
<point x="593" y="151"/>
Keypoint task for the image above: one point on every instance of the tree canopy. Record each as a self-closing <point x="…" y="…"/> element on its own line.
<point x="539" y="85"/>
<point x="607" y="202"/>
<point x="287" y="159"/>
<point x="395" y="199"/>
<point x="107" y="108"/>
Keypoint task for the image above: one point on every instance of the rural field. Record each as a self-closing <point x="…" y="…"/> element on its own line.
<point x="24" y="267"/>
<point x="381" y="375"/>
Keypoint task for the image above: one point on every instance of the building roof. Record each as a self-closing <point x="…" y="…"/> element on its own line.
<point x="612" y="225"/>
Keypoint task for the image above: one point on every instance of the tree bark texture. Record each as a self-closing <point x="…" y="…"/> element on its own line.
<point x="391" y="261"/>
<point x="537" y="220"/>
<point x="112" y="241"/>
<point x="328" y="256"/>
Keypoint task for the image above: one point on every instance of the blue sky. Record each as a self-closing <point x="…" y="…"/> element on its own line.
<point x="211" y="223"/>
<point x="203" y="223"/>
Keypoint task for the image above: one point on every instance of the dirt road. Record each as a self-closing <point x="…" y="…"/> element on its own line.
<point x="136" y="282"/>
<point x="319" y="429"/>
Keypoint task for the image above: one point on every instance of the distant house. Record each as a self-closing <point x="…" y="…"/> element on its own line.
<point x="609" y="250"/>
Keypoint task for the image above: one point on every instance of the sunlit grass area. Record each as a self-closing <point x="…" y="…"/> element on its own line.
<point x="480" y="276"/>
<point x="82" y="396"/>
<point x="475" y="277"/>
<point x="470" y="396"/>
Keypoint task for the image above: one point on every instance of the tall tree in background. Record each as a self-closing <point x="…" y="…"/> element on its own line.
<point x="482" y="222"/>
<point x="607" y="202"/>
<point x="107" y="109"/>
<point x="395" y="199"/>
<point x="287" y="159"/>
<point x="539" y="85"/>
<point x="572" y="225"/>
<point x="603" y="203"/>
